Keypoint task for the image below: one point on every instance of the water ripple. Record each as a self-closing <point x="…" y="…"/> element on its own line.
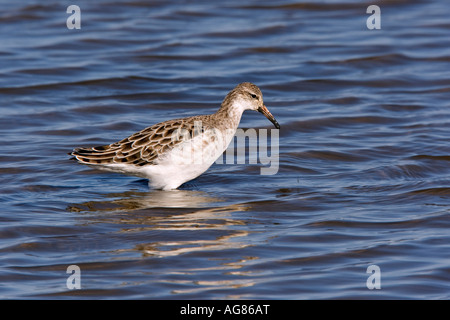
<point x="363" y="150"/>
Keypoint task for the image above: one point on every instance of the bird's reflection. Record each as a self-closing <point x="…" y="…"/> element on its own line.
<point x="133" y="200"/>
<point x="169" y="223"/>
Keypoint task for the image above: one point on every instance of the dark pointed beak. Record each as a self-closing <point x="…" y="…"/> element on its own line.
<point x="269" y="116"/>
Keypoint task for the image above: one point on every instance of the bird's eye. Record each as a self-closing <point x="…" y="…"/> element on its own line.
<point x="254" y="96"/>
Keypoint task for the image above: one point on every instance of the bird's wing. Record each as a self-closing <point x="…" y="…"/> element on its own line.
<point x="142" y="148"/>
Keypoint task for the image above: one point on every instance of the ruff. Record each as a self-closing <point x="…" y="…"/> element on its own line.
<point x="173" y="152"/>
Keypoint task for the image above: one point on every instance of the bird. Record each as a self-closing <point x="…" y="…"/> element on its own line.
<point x="173" y="152"/>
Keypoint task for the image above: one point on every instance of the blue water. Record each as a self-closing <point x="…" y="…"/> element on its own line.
<point x="364" y="153"/>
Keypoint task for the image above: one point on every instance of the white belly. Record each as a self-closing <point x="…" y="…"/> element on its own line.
<point x="188" y="159"/>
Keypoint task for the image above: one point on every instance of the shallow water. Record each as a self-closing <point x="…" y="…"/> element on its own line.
<point x="364" y="153"/>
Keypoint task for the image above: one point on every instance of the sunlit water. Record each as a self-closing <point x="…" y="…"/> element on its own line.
<point x="364" y="152"/>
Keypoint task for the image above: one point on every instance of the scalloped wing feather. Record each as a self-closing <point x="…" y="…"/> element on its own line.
<point x="141" y="148"/>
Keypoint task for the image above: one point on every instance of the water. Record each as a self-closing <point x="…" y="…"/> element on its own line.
<point x="364" y="172"/>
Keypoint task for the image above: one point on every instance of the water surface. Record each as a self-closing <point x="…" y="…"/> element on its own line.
<point x="364" y="152"/>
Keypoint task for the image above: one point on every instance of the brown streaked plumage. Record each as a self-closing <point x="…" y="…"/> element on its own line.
<point x="141" y="148"/>
<point x="147" y="152"/>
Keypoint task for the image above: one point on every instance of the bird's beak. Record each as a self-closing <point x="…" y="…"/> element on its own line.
<point x="269" y="116"/>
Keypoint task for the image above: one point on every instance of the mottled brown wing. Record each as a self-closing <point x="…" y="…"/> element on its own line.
<point x="139" y="149"/>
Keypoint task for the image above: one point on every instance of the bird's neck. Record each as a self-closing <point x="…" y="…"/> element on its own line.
<point x="229" y="114"/>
